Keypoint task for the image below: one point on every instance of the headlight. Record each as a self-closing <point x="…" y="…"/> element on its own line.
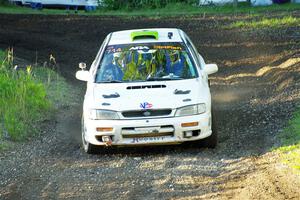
<point x="103" y="114"/>
<point x="191" y="110"/>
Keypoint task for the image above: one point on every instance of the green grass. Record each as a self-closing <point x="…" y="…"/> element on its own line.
<point x="174" y="9"/>
<point x="10" y="9"/>
<point x="27" y="98"/>
<point x="58" y="91"/>
<point x="267" y="23"/>
<point x="189" y="10"/>
<point x="290" y="138"/>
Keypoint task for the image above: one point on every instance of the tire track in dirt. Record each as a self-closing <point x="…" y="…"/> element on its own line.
<point x="251" y="110"/>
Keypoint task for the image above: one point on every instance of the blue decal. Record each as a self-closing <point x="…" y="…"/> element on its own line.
<point x="146" y="105"/>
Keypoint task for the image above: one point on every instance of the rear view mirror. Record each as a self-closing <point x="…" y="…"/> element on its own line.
<point x="210" y="68"/>
<point x="83" y="75"/>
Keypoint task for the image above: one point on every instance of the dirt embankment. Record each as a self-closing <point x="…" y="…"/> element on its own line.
<point x="254" y="93"/>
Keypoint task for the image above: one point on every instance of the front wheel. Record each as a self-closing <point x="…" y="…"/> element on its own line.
<point x="88" y="147"/>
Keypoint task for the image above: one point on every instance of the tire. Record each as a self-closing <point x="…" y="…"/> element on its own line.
<point x="212" y="140"/>
<point x="87" y="147"/>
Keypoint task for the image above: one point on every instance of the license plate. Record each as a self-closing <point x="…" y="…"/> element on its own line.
<point x="147" y="130"/>
<point x="148" y="139"/>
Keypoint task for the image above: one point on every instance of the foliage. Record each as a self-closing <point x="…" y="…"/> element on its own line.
<point x="171" y="9"/>
<point x="58" y="91"/>
<point x="22" y="99"/>
<point x="290" y="139"/>
<point x="267" y="23"/>
<point x="137" y="4"/>
<point x="3" y="2"/>
<point x="27" y="97"/>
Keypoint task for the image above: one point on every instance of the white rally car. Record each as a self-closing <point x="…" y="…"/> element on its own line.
<point x="147" y="87"/>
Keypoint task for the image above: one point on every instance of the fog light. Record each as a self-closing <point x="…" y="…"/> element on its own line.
<point x="104" y="129"/>
<point x="189" y="124"/>
<point x="188" y="134"/>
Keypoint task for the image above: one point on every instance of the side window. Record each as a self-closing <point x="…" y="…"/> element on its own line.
<point x="194" y="51"/>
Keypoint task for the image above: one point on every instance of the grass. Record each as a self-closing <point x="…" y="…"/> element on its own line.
<point x="174" y="9"/>
<point x="27" y="97"/>
<point x="290" y="138"/>
<point x="267" y="23"/>
<point x="56" y="87"/>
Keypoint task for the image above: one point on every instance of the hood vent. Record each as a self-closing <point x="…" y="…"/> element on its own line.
<point x="136" y="87"/>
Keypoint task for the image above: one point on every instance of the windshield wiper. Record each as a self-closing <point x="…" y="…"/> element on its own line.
<point x="162" y="78"/>
<point x="112" y="81"/>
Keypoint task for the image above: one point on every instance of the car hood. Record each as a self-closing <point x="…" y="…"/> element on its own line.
<point x="148" y="95"/>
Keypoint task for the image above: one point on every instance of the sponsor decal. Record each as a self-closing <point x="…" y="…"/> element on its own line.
<point x="146" y="105"/>
<point x="113" y="50"/>
<point x="167" y="47"/>
<point x="139" y="48"/>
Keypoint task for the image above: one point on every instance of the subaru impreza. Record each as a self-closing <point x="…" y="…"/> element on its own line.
<point x="147" y="87"/>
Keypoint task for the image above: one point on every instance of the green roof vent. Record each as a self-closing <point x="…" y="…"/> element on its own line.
<point x="144" y="35"/>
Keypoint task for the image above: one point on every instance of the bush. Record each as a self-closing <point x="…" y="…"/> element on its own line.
<point x="137" y="4"/>
<point x="22" y="100"/>
<point x="3" y="2"/>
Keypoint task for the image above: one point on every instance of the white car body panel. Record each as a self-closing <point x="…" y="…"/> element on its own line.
<point x="159" y="97"/>
<point x="125" y="129"/>
<point x="117" y="133"/>
<point x="123" y="37"/>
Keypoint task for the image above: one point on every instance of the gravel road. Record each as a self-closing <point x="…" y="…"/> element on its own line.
<point x="254" y="93"/>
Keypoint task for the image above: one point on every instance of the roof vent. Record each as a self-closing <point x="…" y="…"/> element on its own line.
<point x="144" y="35"/>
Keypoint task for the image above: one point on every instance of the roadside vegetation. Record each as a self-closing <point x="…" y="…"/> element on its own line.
<point x="155" y="8"/>
<point x="267" y="23"/>
<point x="289" y="149"/>
<point x="290" y="139"/>
<point x="28" y="96"/>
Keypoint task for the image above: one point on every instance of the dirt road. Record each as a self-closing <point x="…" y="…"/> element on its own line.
<point x="255" y="92"/>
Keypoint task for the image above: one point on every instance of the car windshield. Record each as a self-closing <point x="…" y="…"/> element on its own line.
<point x="145" y="62"/>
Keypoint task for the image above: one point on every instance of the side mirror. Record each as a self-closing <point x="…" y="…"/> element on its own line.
<point x="83" y="75"/>
<point x="210" y="68"/>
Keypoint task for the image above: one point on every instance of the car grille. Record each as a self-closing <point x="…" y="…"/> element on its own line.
<point x="146" y="113"/>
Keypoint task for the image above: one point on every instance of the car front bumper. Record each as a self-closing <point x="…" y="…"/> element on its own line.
<point x="148" y="131"/>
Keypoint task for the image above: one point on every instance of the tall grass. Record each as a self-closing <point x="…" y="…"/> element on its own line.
<point x="191" y="9"/>
<point x="267" y="23"/>
<point x="290" y="139"/>
<point x="138" y="4"/>
<point x="22" y="100"/>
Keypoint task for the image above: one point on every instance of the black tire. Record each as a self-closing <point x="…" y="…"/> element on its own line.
<point x="212" y="140"/>
<point x="87" y="147"/>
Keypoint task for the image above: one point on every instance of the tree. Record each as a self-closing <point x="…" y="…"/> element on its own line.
<point x="2" y="2"/>
<point x="235" y="3"/>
